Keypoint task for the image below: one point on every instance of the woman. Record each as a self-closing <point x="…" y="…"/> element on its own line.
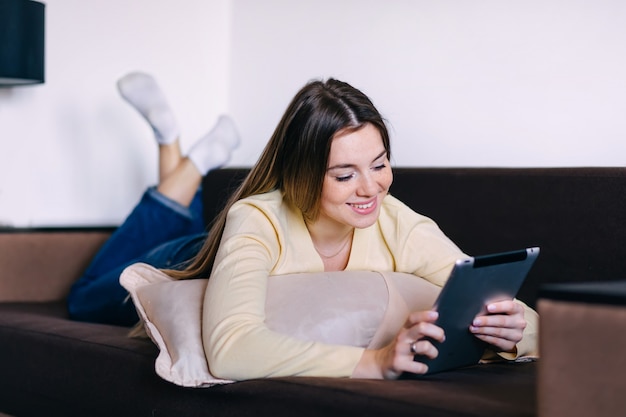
<point x="317" y="200"/>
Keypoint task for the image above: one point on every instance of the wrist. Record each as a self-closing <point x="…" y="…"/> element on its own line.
<point x="368" y="366"/>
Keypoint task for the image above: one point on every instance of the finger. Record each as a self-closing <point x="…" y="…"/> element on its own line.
<point x="505" y="307"/>
<point x="512" y="335"/>
<point x="418" y="351"/>
<point x="501" y="345"/>
<point x="428" y="316"/>
<point x="423" y="348"/>
<point x="419" y="324"/>
<point x="416" y="367"/>
<point x="403" y="358"/>
<point x="425" y="330"/>
<point x="515" y="321"/>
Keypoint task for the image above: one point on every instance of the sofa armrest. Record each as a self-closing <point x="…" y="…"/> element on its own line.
<point x="42" y="264"/>
<point x="582" y="339"/>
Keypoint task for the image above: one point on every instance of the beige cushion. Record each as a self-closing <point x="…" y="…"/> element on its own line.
<point x="358" y="308"/>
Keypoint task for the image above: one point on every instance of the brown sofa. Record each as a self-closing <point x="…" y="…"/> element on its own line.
<point x="51" y="366"/>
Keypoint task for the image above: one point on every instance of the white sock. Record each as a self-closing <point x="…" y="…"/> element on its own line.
<point x="214" y="149"/>
<point x="143" y="93"/>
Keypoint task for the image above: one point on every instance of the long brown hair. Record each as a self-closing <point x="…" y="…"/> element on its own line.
<point x="296" y="157"/>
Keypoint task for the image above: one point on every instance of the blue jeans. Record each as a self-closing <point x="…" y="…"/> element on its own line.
<point x="159" y="232"/>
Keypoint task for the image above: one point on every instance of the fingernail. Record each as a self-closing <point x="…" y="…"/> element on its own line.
<point x="433" y="314"/>
<point x="491" y="308"/>
<point x="476" y="323"/>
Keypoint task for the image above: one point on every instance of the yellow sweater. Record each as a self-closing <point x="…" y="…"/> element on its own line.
<point x="265" y="237"/>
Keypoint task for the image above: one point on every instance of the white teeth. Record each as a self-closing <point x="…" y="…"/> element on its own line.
<point x="363" y="206"/>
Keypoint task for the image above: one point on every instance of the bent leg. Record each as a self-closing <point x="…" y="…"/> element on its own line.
<point x="154" y="221"/>
<point x="104" y="300"/>
<point x="170" y="211"/>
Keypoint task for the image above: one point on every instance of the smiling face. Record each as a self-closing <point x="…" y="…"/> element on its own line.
<point x="357" y="179"/>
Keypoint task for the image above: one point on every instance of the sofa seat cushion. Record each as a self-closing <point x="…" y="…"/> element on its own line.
<point x="49" y="320"/>
<point x="44" y="356"/>
<point x="55" y="367"/>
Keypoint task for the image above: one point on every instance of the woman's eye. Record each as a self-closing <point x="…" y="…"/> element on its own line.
<point x="344" y="178"/>
<point x="380" y="167"/>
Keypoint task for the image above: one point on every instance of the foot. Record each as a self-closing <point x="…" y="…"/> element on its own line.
<point x="214" y="149"/>
<point x="142" y="92"/>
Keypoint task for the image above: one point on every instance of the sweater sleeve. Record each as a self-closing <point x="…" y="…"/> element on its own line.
<point x="418" y="245"/>
<point x="238" y="345"/>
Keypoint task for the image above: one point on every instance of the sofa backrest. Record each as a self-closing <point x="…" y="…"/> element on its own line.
<point x="576" y="215"/>
<point x="41" y="264"/>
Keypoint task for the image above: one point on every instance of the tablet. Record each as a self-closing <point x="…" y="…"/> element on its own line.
<point x="473" y="283"/>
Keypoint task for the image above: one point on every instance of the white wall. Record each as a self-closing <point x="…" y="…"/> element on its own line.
<point x="73" y="152"/>
<point x="462" y="83"/>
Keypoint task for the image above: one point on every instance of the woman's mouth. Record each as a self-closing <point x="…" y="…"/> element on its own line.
<point x="364" y="208"/>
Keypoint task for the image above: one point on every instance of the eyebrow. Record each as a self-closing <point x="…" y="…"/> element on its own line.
<point x="380" y="155"/>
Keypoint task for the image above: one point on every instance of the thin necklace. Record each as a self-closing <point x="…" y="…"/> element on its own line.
<point x="336" y="253"/>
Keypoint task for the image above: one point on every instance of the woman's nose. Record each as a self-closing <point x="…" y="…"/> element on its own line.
<point x="367" y="186"/>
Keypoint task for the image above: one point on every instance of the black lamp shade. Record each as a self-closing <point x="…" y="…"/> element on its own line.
<point x="21" y="42"/>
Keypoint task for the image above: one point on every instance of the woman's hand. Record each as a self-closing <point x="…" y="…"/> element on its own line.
<point x="502" y="327"/>
<point x="392" y="360"/>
